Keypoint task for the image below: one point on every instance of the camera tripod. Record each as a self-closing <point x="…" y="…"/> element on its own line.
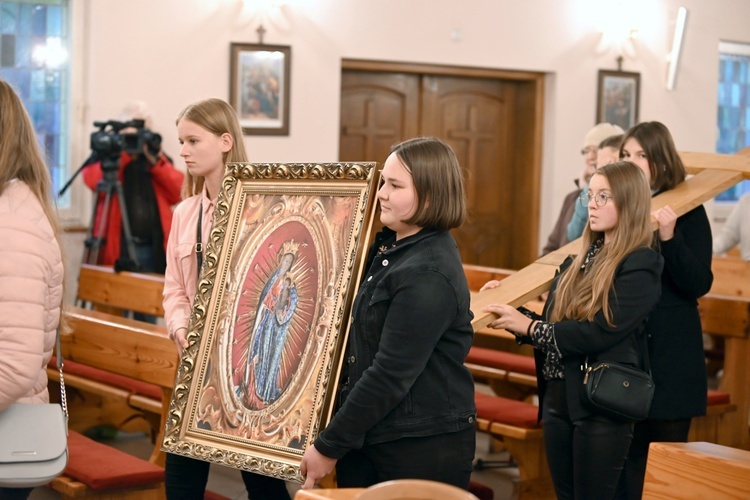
<point x="96" y="237"/>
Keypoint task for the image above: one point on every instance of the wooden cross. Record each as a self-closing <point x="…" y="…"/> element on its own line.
<point x="260" y="31"/>
<point x="713" y="173"/>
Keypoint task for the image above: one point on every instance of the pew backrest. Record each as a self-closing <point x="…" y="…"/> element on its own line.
<point x="115" y="292"/>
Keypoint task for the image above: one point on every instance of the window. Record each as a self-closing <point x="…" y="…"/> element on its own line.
<point x="34" y="41"/>
<point x="734" y="107"/>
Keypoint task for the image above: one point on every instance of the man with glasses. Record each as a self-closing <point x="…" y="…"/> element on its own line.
<point x="594" y="137"/>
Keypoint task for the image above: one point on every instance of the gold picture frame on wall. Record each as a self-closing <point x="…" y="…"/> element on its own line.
<point x="270" y="319"/>
<point x="617" y="97"/>
<point x="259" y="81"/>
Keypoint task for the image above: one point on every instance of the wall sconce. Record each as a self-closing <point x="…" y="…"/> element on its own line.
<point x="673" y="58"/>
<point x="618" y="25"/>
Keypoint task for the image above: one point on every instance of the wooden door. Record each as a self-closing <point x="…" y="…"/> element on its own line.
<point x="486" y="121"/>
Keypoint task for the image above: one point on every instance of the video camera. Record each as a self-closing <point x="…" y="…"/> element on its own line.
<point x="109" y="142"/>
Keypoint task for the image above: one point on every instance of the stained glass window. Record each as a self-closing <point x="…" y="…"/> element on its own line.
<point x="734" y="107"/>
<point x="34" y="41"/>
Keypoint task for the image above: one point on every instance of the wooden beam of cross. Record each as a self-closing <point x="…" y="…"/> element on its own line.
<point x="713" y="173"/>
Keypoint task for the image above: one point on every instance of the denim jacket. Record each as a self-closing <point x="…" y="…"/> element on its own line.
<point x="410" y="333"/>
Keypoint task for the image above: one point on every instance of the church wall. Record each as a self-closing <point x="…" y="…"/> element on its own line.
<point x="172" y="52"/>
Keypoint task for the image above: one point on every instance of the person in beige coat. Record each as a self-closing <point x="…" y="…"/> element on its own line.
<point x="31" y="268"/>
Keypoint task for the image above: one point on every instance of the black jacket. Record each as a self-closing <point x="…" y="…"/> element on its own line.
<point x="636" y="289"/>
<point x="410" y="334"/>
<point x="674" y="330"/>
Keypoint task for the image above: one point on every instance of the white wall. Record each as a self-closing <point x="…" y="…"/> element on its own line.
<point x="172" y="52"/>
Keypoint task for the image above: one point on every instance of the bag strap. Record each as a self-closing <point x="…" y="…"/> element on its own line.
<point x="58" y="355"/>
<point x="643" y="341"/>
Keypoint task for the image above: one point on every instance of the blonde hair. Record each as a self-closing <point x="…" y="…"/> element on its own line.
<point x="218" y="117"/>
<point x="580" y="296"/>
<point x="21" y="158"/>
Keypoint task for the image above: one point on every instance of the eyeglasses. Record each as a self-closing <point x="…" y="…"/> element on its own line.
<point x="590" y="150"/>
<point x="600" y="198"/>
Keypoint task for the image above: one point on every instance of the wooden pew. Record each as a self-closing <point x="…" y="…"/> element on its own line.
<point x="106" y="399"/>
<point x="128" y="348"/>
<point x="116" y="293"/>
<point x="725" y="314"/>
<point x="677" y="471"/>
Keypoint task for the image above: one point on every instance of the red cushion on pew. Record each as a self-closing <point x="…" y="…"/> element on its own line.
<point x="506" y="411"/>
<point x="113" y="379"/>
<point x="210" y="495"/>
<point x="101" y="467"/>
<point x="500" y="359"/>
<point x="481" y="491"/>
<point x="717" y="398"/>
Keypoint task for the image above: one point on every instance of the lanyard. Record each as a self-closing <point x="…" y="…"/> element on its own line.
<point x="198" y="240"/>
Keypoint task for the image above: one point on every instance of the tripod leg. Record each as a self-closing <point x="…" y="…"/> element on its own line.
<point x="95" y="237"/>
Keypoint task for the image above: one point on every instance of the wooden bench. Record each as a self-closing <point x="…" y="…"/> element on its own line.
<point x="131" y="349"/>
<point x="515" y="424"/>
<point x="115" y="293"/>
<point x="106" y="399"/>
<point x="728" y="318"/>
<point x="696" y="471"/>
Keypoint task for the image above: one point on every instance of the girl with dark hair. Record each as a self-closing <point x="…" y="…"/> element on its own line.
<point x="406" y="402"/>
<point x="674" y="330"/>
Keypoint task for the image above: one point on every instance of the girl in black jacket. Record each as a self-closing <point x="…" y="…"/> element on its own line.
<point x="596" y="309"/>
<point x="406" y="402"/>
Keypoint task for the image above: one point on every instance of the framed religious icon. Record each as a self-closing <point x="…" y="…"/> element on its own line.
<point x="617" y="98"/>
<point x="259" y="87"/>
<point x="270" y="319"/>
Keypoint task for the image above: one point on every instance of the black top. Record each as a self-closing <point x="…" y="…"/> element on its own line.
<point x="635" y="291"/>
<point x="410" y="334"/>
<point x="678" y="362"/>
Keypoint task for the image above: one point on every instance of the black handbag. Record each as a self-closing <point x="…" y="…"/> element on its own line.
<point x="618" y="391"/>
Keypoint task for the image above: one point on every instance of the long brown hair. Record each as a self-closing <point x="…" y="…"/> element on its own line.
<point x="21" y="158"/>
<point x="580" y="295"/>
<point x="218" y="117"/>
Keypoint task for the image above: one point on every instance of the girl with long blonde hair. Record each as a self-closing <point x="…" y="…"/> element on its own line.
<point x="596" y="310"/>
<point x="210" y="136"/>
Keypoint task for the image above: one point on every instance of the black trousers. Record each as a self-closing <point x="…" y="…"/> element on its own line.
<point x="15" y="493"/>
<point x="585" y="456"/>
<point x="645" y="433"/>
<point x="186" y="478"/>
<point x="443" y="457"/>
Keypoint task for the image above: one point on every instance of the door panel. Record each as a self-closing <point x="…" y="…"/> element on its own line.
<point x="493" y="126"/>
<point x="473" y="116"/>
<point x="377" y="111"/>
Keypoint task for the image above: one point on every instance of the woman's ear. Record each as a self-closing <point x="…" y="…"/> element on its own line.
<point x="227" y="141"/>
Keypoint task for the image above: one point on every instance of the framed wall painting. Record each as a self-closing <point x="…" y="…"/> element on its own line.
<point x="259" y="77"/>
<point x="270" y="319"/>
<point x="617" y="98"/>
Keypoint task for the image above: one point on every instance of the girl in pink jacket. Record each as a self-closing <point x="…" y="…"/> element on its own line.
<point x="31" y="268"/>
<point x="210" y="136"/>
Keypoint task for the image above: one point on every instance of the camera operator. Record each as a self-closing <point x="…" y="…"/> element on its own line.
<point x="151" y="185"/>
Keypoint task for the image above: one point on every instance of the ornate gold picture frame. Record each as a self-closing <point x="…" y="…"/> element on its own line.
<point x="270" y="318"/>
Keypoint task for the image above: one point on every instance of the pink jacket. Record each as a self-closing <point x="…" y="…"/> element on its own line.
<point x="31" y="289"/>
<point x="181" y="276"/>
